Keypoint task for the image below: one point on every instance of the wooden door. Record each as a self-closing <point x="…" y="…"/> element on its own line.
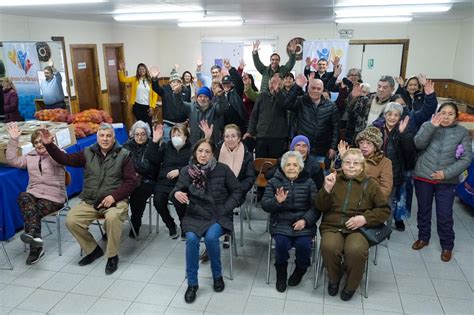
<point x="113" y="53"/>
<point x="86" y="76"/>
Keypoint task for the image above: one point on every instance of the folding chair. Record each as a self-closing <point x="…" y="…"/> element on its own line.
<point x="9" y="263"/>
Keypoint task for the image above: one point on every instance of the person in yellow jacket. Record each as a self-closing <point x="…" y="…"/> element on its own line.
<point x="141" y="98"/>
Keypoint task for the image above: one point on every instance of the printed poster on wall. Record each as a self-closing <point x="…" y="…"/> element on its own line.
<point x="326" y="49"/>
<point x="22" y="65"/>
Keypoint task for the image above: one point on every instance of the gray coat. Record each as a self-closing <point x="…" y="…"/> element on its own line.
<point x="437" y="146"/>
<point x="298" y="205"/>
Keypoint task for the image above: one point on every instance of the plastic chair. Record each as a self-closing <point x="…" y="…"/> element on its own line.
<point x="271" y="247"/>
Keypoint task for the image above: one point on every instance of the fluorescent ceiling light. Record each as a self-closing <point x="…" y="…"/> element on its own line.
<point x="158" y="16"/>
<point x="391" y="19"/>
<point x="390" y="10"/>
<point x="212" y="22"/>
<point x="157" y="9"/>
<point x="15" y="3"/>
<point x="360" y="3"/>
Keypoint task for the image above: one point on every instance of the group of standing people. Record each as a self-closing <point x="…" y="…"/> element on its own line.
<point x="200" y="160"/>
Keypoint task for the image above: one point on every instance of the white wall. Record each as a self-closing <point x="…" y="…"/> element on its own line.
<point x="464" y="57"/>
<point x="439" y="49"/>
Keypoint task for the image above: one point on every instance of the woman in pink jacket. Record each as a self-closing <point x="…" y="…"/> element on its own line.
<point x="46" y="191"/>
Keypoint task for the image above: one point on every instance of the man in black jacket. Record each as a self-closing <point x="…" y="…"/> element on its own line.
<point x="233" y="91"/>
<point x="328" y="78"/>
<point x="316" y="117"/>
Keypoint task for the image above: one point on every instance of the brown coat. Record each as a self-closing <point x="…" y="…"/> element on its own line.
<point x="380" y="168"/>
<point x="341" y="204"/>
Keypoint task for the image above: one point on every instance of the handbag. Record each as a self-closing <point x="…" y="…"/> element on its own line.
<point x="373" y="234"/>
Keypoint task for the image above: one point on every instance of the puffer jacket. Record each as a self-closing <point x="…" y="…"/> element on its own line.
<point x="298" y="205"/>
<point x="47" y="182"/>
<point x="380" y="168"/>
<point x="268" y="119"/>
<point x="438" y="149"/>
<point x="341" y="203"/>
<point x="214" y="204"/>
<point x="166" y="158"/>
<point x="143" y="167"/>
<point x="320" y="123"/>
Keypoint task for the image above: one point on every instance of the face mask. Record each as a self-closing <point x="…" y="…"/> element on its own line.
<point x="178" y="142"/>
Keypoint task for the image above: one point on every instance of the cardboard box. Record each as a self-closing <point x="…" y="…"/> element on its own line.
<point x="469" y="126"/>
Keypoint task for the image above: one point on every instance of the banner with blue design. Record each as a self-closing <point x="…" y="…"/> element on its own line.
<point x="326" y="49"/>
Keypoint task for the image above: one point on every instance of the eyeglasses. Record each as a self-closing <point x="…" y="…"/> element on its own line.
<point x="143" y="134"/>
<point x="37" y="142"/>
<point x="353" y="163"/>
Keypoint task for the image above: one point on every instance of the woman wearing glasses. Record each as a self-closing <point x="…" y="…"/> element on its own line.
<point x="137" y="144"/>
<point x="349" y="200"/>
<point x="46" y="191"/>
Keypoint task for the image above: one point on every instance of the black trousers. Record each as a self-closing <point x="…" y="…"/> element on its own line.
<point x="141" y="113"/>
<point x="160" y="201"/>
<point x="138" y="200"/>
<point x="270" y="147"/>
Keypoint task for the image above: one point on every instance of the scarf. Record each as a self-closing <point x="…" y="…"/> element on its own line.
<point x="198" y="172"/>
<point x="233" y="159"/>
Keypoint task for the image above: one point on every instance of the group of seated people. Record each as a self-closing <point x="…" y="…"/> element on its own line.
<point x="205" y="169"/>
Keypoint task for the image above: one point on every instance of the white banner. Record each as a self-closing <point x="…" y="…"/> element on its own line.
<point x="22" y="65"/>
<point x="213" y="53"/>
<point x="326" y="49"/>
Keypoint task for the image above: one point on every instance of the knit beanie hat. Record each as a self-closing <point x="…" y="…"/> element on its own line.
<point x="372" y="134"/>
<point x="297" y="139"/>
<point x="174" y="76"/>
<point x="204" y="90"/>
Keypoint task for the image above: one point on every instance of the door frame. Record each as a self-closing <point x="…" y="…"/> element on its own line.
<point x="96" y="64"/>
<point x="121" y="57"/>
<point x="404" y="42"/>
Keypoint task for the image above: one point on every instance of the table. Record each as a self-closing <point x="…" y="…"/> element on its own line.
<point x="465" y="190"/>
<point x="13" y="181"/>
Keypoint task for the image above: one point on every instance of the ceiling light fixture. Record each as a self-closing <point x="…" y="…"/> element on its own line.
<point x="158" y="16"/>
<point x="390" y="19"/>
<point x="45" y="2"/>
<point x="360" y="3"/>
<point x="404" y="10"/>
<point x="157" y="9"/>
<point x="212" y="22"/>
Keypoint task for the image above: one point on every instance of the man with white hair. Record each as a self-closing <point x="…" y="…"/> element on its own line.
<point x="109" y="178"/>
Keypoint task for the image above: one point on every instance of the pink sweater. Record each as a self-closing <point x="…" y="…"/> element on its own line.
<point x="47" y="183"/>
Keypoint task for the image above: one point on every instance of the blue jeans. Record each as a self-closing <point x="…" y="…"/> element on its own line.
<point x="166" y="133"/>
<point x="211" y="239"/>
<point x="302" y="245"/>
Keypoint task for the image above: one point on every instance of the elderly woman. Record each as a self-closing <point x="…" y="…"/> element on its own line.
<point x="46" y="191"/>
<point x="137" y="144"/>
<point x="445" y="152"/>
<point x="170" y="158"/>
<point x="211" y="191"/>
<point x="288" y="198"/>
<point x="349" y="200"/>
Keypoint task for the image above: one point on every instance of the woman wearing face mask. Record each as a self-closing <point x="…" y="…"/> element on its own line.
<point x="139" y="140"/>
<point x="289" y="199"/>
<point x="211" y="192"/>
<point x="170" y="158"/>
<point x="347" y="206"/>
<point x="445" y="152"/>
<point x="46" y="191"/>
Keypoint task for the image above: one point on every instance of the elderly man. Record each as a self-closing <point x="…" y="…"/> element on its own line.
<point x="364" y="110"/>
<point x="317" y="118"/>
<point x="109" y="178"/>
<point x="52" y="89"/>
<point x="269" y="71"/>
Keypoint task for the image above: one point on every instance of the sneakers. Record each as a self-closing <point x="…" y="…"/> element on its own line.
<point x="173" y="233"/>
<point x="96" y="253"/>
<point x="400" y="226"/>
<point x="36" y="253"/>
<point x="30" y="239"/>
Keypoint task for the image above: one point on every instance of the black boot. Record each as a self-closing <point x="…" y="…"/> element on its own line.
<point x="281" y="277"/>
<point x="296" y="276"/>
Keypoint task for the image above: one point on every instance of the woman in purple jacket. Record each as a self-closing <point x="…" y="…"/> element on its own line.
<point x="10" y="98"/>
<point x="46" y="191"/>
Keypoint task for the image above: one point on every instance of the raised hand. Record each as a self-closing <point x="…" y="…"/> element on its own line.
<point x="356" y="90"/>
<point x="121" y="65"/>
<point x="256" y="45"/>
<point x="336" y="61"/>
<point x="199" y="63"/>
<point x="308" y="61"/>
<point x="281" y="195"/>
<point x="329" y="182"/>
<point x="157" y="133"/>
<point x="176" y="66"/>
<point x="312" y="75"/>
<point x="422" y="78"/>
<point x="206" y="129"/>
<point x="403" y="124"/>
<point x="247" y="135"/>
<point x="337" y="70"/>
<point x="429" y="87"/>
<point x="154" y="71"/>
<point x="292" y="45"/>
<point x="331" y="154"/>
<point x="51" y="63"/>
<point x="227" y="63"/>
<point x="13" y="130"/>
<point x="176" y="87"/>
<point x="242" y="64"/>
<point x="399" y="80"/>
<point x="46" y="136"/>
<point x="436" y="119"/>
<point x="342" y="147"/>
<point x="301" y="80"/>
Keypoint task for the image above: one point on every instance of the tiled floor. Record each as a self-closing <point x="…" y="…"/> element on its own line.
<point x="150" y="279"/>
